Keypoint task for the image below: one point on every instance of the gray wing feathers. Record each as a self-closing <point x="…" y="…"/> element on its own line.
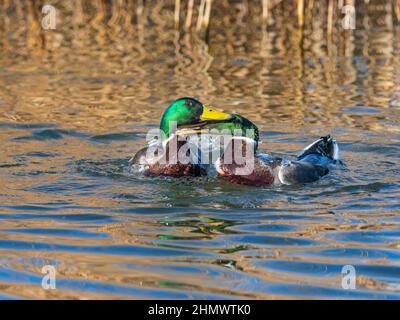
<point x="301" y="172"/>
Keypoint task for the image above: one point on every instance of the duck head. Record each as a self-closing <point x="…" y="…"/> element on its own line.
<point x="191" y="116"/>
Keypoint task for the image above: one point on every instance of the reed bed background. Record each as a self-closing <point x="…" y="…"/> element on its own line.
<point x="228" y="52"/>
<point x="203" y="18"/>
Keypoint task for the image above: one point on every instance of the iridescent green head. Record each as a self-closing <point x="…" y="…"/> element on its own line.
<point x="189" y="113"/>
<point x="191" y="116"/>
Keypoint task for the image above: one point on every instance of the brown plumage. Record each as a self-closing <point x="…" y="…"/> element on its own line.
<point x="261" y="176"/>
<point x="168" y="162"/>
<point x="263" y="172"/>
<point x="229" y="169"/>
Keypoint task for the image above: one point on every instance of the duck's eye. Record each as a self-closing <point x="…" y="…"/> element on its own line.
<point x="188" y="103"/>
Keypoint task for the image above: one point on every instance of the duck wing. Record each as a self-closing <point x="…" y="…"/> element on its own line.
<point x="294" y="172"/>
<point x="323" y="152"/>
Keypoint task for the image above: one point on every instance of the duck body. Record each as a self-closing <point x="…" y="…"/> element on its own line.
<point x="172" y="154"/>
<point x="183" y="118"/>
<point x="310" y="166"/>
<point x="167" y="159"/>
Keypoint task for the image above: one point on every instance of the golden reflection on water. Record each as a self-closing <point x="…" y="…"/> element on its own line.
<point x="95" y="58"/>
<point x="112" y="67"/>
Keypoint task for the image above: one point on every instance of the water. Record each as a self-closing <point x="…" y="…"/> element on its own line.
<point x="76" y="103"/>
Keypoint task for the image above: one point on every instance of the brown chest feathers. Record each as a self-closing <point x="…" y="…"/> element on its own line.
<point x="168" y="163"/>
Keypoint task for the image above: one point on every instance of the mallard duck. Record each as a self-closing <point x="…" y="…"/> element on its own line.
<point x="184" y="117"/>
<point x="259" y="169"/>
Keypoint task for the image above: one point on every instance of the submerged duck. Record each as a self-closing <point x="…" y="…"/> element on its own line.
<point x="263" y="170"/>
<point x="184" y="117"/>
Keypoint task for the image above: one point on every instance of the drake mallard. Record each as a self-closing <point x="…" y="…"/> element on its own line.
<point x="190" y="116"/>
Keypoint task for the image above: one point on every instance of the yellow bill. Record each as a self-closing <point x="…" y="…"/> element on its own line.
<point x="211" y="114"/>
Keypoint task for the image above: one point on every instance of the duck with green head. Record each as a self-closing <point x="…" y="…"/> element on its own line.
<point x="191" y="116"/>
<point x="187" y="116"/>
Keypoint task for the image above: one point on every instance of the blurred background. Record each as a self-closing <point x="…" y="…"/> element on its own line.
<point x="76" y="102"/>
<point x="224" y="52"/>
